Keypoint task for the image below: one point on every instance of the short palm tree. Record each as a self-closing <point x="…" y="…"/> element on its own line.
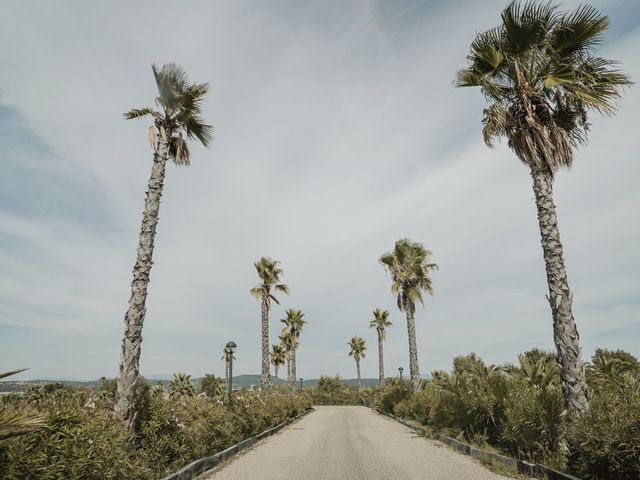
<point x="181" y="386"/>
<point x="409" y="265"/>
<point x="294" y="323"/>
<point x="288" y="344"/>
<point x="357" y="350"/>
<point x="278" y="357"/>
<point x="541" y="78"/>
<point x="269" y="273"/>
<point x="380" y="322"/>
<point x="176" y="119"/>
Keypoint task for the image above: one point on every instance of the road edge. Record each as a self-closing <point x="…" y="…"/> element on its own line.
<point x="202" y="465"/>
<point x="535" y="470"/>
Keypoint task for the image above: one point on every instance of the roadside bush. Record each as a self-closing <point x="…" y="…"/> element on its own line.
<point x="83" y="439"/>
<point x="80" y="441"/>
<point x="333" y="391"/>
<point x="391" y="394"/>
<point x="606" y="441"/>
<point x="534" y="427"/>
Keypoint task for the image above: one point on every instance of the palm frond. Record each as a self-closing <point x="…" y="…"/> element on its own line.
<point x="12" y="372"/>
<point x="140" y="112"/>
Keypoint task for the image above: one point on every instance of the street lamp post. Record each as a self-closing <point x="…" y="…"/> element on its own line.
<point x="400" y="370"/>
<point x="231" y="346"/>
<point x="300" y="383"/>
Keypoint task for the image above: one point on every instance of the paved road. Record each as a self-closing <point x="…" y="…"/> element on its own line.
<point x="350" y="443"/>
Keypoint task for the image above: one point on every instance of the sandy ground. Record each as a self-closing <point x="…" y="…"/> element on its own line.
<point x="349" y="443"/>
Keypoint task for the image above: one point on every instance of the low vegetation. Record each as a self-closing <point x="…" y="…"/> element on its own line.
<point x="83" y="438"/>
<point x="520" y="410"/>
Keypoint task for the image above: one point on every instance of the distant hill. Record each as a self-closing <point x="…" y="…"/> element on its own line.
<point x="243" y="381"/>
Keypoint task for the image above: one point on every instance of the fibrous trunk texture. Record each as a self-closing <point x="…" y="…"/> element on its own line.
<point x="275" y="367"/>
<point x="358" y="369"/>
<point x="565" y="334"/>
<point x="380" y="359"/>
<point x="289" y="376"/>
<point x="293" y="365"/>
<point x="134" y="318"/>
<point x="414" y="369"/>
<point x="265" y="341"/>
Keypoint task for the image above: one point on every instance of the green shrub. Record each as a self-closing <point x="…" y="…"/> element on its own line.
<point x="392" y="393"/>
<point x="606" y="441"/>
<point x="333" y="391"/>
<point x="534" y="427"/>
<point x="81" y="441"/>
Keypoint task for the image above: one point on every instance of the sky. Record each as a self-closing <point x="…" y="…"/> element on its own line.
<point x="337" y="132"/>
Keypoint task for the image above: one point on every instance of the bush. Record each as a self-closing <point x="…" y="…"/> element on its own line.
<point x="333" y="391"/>
<point x="80" y="441"/>
<point x="534" y="423"/>
<point x="392" y="393"/>
<point x="606" y="441"/>
<point x="84" y="439"/>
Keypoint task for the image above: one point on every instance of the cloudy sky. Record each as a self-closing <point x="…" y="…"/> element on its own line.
<point x="337" y="131"/>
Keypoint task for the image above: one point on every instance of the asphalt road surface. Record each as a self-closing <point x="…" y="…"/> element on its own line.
<point x="349" y="443"/>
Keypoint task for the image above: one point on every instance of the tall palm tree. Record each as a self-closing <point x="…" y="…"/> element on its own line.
<point x="357" y="350"/>
<point x="176" y="119"/>
<point x="380" y="322"/>
<point x="288" y="344"/>
<point x="540" y="75"/>
<point x="269" y="273"/>
<point x="409" y="265"/>
<point x="294" y="323"/>
<point x="277" y="358"/>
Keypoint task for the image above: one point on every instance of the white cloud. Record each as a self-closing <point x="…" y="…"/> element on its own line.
<point x="337" y="132"/>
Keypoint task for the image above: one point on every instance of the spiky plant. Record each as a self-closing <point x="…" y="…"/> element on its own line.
<point x="539" y="72"/>
<point x="181" y="386"/>
<point x="410" y="267"/>
<point x="294" y="324"/>
<point x="278" y="358"/>
<point x="269" y="273"/>
<point x="15" y="422"/>
<point x="357" y="350"/>
<point x="176" y="119"/>
<point x="380" y="322"/>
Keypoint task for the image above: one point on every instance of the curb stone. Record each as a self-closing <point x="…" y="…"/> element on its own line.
<point x="534" y="470"/>
<point x="201" y="465"/>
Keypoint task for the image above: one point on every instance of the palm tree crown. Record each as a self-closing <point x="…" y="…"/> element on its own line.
<point x="409" y="265"/>
<point x="380" y="322"/>
<point x="179" y="104"/>
<point x="357" y="348"/>
<point x="269" y="272"/>
<point x="539" y="74"/>
<point x="278" y="353"/>
<point x="294" y="322"/>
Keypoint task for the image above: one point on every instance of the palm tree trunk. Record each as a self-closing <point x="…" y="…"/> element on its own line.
<point x="275" y="367"/>
<point x="293" y="366"/>
<point x="565" y="333"/>
<point x="289" y="377"/>
<point x="265" y="341"/>
<point x="380" y="359"/>
<point x="134" y="318"/>
<point x="414" y="369"/>
<point x="358" y="370"/>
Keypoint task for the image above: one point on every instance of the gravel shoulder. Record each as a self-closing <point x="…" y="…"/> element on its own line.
<point x="354" y="443"/>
